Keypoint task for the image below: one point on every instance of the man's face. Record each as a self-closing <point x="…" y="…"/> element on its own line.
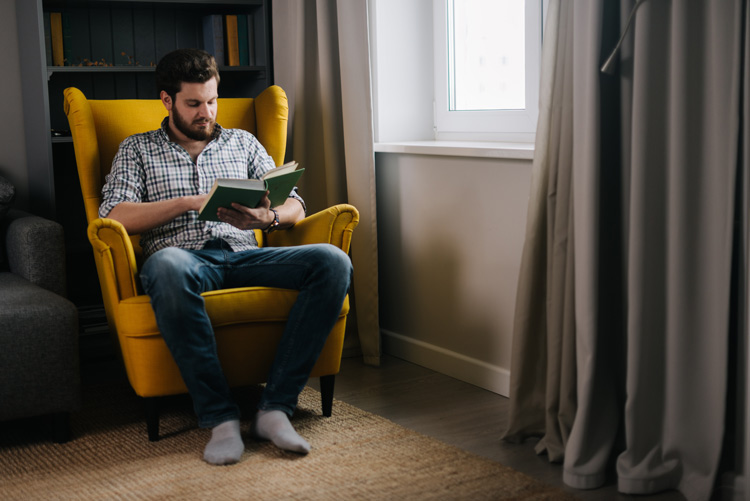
<point x="193" y="114"/>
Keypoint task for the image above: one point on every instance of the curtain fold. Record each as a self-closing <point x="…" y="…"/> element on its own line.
<point x="542" y="385"/>
<point x="620" y="347"/>
<point x="321" y="60"/>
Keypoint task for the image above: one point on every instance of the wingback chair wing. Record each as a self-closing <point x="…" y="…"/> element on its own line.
<point x="249" y="321"/>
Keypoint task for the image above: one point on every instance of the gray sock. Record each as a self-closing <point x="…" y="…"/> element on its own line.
<point x="274" y="425"/>
<point x="225" y="446"/>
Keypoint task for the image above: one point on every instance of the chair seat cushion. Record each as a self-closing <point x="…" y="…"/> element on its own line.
<point x="135" y="317"/>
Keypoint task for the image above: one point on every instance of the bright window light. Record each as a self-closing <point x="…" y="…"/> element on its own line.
<point x="486" y="55"/>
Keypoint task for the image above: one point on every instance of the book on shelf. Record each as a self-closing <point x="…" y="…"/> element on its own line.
<point x="67" y="39"/>
<point x="232" y="43"/>
<point x="56" y="34"/>
<point x="213" y="37"/>
<point x="279" y="183"/>
<point x="242" y="40"/>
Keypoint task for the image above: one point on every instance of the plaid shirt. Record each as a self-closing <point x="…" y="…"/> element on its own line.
<point x="149" y="167"/>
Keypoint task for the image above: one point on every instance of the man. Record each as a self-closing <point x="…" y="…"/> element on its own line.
<point x="159" y="180"/>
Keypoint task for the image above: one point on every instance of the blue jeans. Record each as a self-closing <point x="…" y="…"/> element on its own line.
<point x="175" y="278"/>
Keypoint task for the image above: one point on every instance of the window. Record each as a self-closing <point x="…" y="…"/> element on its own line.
<point x="487" y="55"/>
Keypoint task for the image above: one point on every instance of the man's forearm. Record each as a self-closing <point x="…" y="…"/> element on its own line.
<point x="140" y="217"/>
<point x="290" y="212"/>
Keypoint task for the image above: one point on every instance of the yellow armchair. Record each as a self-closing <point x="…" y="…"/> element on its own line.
<point x="248" y="321"/>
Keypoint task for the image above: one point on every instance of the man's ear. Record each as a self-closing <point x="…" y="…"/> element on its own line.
<point x="166" y="100"/>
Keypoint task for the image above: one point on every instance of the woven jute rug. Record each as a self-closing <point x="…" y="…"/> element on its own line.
<point x="356" y="455"/>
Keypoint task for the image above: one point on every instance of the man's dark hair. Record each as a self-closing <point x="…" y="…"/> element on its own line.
<point x="184" y="65"/>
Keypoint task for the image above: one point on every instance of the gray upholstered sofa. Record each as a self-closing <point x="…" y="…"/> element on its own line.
<point x="39" y="371"/>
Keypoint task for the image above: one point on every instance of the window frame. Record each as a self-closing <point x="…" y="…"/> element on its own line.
<point x="487" y="125"/>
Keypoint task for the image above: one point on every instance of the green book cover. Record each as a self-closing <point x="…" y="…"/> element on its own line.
<point x="67" y="38"/>
<point x="279" y="182"/>
<point x="242" y="40"/>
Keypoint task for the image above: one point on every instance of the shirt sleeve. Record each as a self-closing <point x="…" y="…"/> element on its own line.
<point x="124" y="183"/>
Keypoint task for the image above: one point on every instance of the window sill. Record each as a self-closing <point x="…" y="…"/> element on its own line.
<point x="516" y="151"/>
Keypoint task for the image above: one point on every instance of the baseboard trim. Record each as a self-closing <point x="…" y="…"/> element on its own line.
<point x="731" y="487"/>
<point x="462" y="367"/>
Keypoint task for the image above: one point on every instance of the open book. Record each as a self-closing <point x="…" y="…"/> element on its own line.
<point x="279" y="182"/>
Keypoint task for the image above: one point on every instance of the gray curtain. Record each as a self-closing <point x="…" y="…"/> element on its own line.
<point x="622" y="329"/>
<point x="321" y="60"/>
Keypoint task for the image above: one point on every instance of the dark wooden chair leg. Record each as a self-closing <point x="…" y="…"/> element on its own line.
<point x="326" y="392"/>
<point x="61" y="427"/>
<point x="152" y="418"/>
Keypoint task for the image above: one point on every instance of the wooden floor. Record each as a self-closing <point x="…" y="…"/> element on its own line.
<point x="436" y="405"/>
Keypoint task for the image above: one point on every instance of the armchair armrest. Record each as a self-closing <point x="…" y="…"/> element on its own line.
<point x="333" y="225"/>
<point x="115" y="259"/>
<point x="36" y="250"/>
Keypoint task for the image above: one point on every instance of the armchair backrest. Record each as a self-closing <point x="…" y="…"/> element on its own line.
<point x="99" y="126"/>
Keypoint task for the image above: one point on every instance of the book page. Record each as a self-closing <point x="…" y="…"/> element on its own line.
<point x="282" y="169"/>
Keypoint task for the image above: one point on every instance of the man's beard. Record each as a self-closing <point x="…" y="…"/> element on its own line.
<point x="183" y="126"/>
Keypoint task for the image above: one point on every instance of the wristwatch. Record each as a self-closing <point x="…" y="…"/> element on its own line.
<point x="274" y="223"/>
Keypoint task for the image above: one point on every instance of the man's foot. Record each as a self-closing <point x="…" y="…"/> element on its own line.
<point x="274" y="425"/>
<point x="225" y="446"/>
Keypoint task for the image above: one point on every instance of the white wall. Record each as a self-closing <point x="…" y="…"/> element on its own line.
<point x="450" y="228"/>
<point x="13" y="150"/>
<point x="450" y="233"/>
<point x="401" y="52"/>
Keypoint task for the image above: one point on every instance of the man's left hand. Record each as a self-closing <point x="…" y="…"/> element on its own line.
<point x="246" y="218"/>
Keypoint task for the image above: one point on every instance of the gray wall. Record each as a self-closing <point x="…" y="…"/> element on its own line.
<point x="13" y="143"/>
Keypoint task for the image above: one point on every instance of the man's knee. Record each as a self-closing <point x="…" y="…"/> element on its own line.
<point x="334" y="262"/>
<point x="165" y="265"/>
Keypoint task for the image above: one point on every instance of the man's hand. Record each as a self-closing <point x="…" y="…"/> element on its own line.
<point x="246" y="218"/>
<point x="261" y="217"/>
